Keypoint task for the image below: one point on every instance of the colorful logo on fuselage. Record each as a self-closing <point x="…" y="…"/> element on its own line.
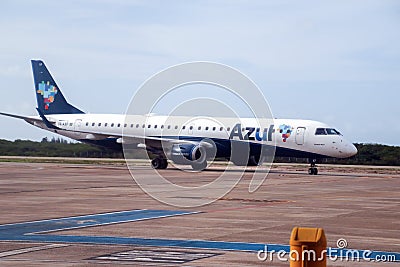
<point x="285" y="130"/>
<point x="48" y="92"/>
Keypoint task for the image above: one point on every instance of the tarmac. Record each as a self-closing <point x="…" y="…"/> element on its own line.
<point x="58" y="214"/>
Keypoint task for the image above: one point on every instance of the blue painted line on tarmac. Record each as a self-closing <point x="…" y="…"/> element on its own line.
<point x="67" y="223"/>
<point x="34" y="231"/>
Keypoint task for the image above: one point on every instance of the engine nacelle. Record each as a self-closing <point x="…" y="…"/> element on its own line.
<point x="188" y="153"/>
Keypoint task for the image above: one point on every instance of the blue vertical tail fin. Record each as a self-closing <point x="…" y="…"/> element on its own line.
<point x="50" y="100"/>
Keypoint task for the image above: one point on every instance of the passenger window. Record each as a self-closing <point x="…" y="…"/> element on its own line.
<point x="149" y="126"/>
<point x="191" y="128"/>
<point x="125" y="125"/>
<point x="214" y="128"/>
<point x="155" y="126"/>
<point x="112" y="125"/>
<point x="176" y="127"/>
<point x="221" y="128"/>
<point x="132" y="125"/>
<point x="162" y="126"/>
<point x="183" y="127"/>
<point x="169" y="127"/>
<point x="119" y="125"/>
<point x="87" y="124"/>
<point x="207" y="128"/>
<point x="137" y="125"/>
<point x="99" y="124"/>
<point x="143" y="126"/>
<point x="105" y="124"/>
<point x="199" y="128"/>
<point x="228" y="129"/>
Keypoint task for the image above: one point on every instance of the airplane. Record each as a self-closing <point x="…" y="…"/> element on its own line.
<point x="184" y="140"/>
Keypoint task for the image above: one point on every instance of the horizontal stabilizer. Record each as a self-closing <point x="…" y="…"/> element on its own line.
<point x="28" y="119"/>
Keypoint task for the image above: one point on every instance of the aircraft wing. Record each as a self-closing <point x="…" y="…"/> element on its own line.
<point x="159" y="144"/>
<point x="149" y="143"/>
<point x="155" y="140"/>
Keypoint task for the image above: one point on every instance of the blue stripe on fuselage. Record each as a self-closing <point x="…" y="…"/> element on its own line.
<point x="223" y="147"/>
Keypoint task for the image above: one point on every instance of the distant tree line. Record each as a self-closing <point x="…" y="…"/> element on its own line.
<point x="368" y="154"/>
<point x="54" y="148"/>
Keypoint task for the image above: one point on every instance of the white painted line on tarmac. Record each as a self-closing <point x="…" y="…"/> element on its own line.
<point x="31" y="249"/>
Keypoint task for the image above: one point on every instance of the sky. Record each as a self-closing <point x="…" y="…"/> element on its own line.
<point x="330" y="61"/>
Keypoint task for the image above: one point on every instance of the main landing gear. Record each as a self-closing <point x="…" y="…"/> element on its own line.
<point x="159" y="163"/>
<point x="313" y="168"/>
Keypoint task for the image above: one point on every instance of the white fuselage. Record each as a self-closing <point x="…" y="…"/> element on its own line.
<point x="292" y="137"/>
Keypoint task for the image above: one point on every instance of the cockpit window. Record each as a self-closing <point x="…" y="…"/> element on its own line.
<point x="332" y="131"/>
<point x="320" y="131"/>
<point x="325" y="131"/>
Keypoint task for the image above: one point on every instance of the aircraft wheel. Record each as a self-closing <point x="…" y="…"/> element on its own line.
<point x="159" y="163"/>
<point x="313" y="171"/>
<point x="164" y="163"/>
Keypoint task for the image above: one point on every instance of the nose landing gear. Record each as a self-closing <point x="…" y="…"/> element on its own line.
<point x="313" y="170"/>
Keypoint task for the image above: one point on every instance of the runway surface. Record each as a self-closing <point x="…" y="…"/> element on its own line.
<point x="90" y="215"/>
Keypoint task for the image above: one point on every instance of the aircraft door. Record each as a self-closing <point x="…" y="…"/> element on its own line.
<point x="300" y="135"/>
<point x="77" y="126"/>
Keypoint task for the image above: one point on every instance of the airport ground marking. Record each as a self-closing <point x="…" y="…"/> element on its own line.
<point x="30" y="249"/>
<point x="37" y="231"/>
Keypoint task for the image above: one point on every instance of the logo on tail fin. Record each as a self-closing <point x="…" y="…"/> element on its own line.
<point x="48" y="92"/>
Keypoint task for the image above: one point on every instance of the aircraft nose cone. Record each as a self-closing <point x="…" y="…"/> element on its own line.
<point x="351" y="150"/>
<point x="347" y="149"/>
